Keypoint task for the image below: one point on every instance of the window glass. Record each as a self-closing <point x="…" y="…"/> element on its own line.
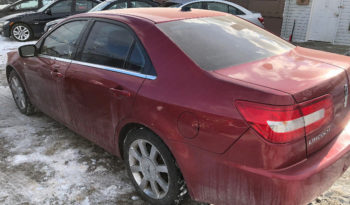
<point x="234" y="11"/>
<point x="223" y="41"/>
<point x="136" y="60"/>
<point x="31" y="4"/>
<point x="138" y="4"/>
<point x="119" y="5"/>
<point x="83" y="5"/>
<point x="62" y="7"/>
<point x="63" y="41"/>
<point x="217" y="7"/>
<point x="101" y="6"/>
<point x="108" y="45"/>
<point x="45" y="2"/>
<point x="197" y="5"/>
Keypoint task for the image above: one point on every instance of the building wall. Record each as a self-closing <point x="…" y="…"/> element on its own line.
<point x="298" y="13"/>
<point x="271" y="10"/>
<point x="301" y="14"/>
<point x="343" y="33"/>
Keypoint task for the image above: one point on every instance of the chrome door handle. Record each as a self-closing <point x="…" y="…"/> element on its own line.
<point x="56" y="74"/>
<point x="119" y="91"/>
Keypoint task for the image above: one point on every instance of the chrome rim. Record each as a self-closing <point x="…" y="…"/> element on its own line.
<point x="18" y="92"/>
<point x="149" y="169"/>
<point x="21" y="33"/>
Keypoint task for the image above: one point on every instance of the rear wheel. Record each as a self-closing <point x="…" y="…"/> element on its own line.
<point x="21" y="32"/>
<point x="153" y="169"/>
<point x="19" y="94"/>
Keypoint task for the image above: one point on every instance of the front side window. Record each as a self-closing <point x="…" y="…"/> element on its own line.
<point x="139" y="4"/>
<point x="214" y="6"/>
<point x="119" y="5"/>
<point x="62" y="42"/>
<point x="64" y="6"/>
<point x="108" y="44"/>
<point x="31" y="4"/>
<point x="223" y="41"/>
<point x="83" y="5"/>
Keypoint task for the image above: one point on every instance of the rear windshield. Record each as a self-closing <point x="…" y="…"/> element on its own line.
<point x="223" y="41"/>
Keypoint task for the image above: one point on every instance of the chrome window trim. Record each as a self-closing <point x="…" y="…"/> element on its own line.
<point x="118" y="70"/>
<point x="55" y="58"/>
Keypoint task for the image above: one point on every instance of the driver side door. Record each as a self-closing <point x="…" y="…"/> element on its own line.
<point x="60" y="9"/>
<point x="45" y="74"/>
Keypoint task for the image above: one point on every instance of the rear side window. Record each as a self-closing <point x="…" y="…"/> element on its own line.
<point x="62" y="42"/>
<point x="197" y="5"/>
<point x="214" y="6"/>
<point x="136" y="60"/>
<point x="108" y="44"/>
<point x="235" y="11"/>
<point x="139" y="4"/>
<point x="224" y="41"/>
<point x="83" y="5"/>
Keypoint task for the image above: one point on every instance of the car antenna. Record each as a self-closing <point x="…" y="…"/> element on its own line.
<point x="185" y="9"/>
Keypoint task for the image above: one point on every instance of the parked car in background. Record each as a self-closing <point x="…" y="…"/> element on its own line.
<point x="23" y="6"/>
<point x="27" y="25"/>
<point x="223" y="6"/>
<point x="112" y="4"/>
<point x="194" y="101"/>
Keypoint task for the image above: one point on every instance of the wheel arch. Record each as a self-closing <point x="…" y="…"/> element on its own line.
<point x="9" y="69"/>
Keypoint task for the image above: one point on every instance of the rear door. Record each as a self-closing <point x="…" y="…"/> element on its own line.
<point x="102" y="82"/>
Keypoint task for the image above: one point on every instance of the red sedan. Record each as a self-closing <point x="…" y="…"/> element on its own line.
<point x="197" y="102"/>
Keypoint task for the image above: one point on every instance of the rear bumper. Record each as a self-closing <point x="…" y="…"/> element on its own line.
<point x="217" y="180"/>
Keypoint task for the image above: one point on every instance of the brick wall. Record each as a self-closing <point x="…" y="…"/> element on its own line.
<point x="301" y="15"/>
<point x="343" y="33"/>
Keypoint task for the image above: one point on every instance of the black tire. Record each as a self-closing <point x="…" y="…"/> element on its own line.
<point x="27" y="32"/>
<point x="177" y="189"/>
<point x="26" y="107"/>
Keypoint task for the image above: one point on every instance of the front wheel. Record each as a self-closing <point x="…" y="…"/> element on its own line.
<point x="21" y="32"/>
<point x="153" y="169"/>
<point x="19" y="94"/>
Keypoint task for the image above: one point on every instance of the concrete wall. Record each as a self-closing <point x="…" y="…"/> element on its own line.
<point x="301" y="15"/>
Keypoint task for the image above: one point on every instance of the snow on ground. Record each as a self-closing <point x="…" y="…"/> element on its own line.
<point x="42" y="162"/>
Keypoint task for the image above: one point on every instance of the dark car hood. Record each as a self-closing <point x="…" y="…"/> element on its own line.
<point x="9" y="17"/>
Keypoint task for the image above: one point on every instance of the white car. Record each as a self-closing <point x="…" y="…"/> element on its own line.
<point x="224" y="6"/>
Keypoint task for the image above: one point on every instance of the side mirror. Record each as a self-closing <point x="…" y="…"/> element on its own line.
<point x="27" y="51"/>
<point x="48" y="12"/>
<point x="12" y="8"/>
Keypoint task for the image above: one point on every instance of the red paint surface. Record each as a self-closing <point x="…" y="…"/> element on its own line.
<point x="226" y="162"/>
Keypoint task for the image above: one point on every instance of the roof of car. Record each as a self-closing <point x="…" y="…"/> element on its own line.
<point x="161" y="15"/>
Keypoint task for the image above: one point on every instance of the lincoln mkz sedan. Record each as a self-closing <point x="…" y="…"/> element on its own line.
<point x="196" y="102"/>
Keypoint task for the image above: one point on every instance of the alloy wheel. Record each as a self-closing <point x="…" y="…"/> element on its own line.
<point x="149" y="169"/>
<point x="21" y="33"/>
<point x="18" y="92"/>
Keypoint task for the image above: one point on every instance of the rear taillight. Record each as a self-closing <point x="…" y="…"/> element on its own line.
<point x="283" y="124"/>
<point x="261" y="19"/>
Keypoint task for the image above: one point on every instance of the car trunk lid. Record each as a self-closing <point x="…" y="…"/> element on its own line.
<point x="305" y="78"/>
